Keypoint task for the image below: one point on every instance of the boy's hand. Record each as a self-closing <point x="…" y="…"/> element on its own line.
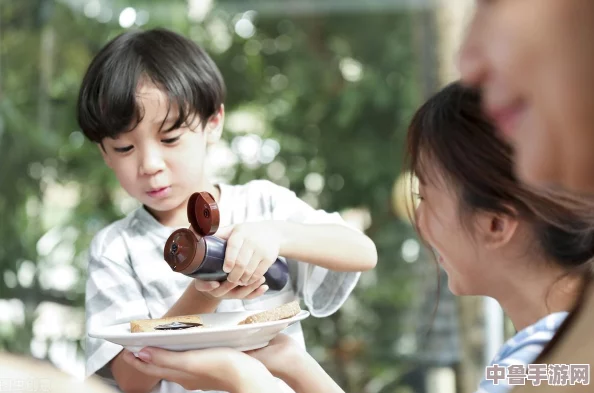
<point x="229" y="290"/>
<point x="251" y="249"/>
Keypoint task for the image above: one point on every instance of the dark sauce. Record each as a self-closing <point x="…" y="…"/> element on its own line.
<point x="177" y="326"/>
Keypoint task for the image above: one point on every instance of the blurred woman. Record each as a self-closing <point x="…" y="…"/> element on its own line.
<point x="534" y="63"/>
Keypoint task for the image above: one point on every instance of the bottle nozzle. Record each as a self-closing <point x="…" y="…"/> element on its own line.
<point x="183" y="250"/>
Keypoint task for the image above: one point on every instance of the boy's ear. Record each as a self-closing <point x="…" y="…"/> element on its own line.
<point x="496" y="230"/>
<point x="214" y="126"/>
<point x="104" y="154"/>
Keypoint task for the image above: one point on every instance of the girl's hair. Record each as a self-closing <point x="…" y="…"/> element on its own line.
<point x="451" y="140"/>
<point x="107" y="104"/>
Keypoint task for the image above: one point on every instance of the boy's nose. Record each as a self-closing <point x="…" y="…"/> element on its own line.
<point x="152" y="162"/>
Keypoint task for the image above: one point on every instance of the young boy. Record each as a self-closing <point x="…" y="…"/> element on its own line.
<point x="153" y="102"/>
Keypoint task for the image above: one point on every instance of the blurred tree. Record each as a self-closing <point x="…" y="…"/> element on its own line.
<point x="326" y="96"/>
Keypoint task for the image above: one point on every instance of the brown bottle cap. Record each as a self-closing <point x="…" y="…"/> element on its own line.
<point x="203" y="213"/>
<point x="183" y="251"/>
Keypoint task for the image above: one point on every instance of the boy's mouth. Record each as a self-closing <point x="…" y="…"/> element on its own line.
<point x="159" y="192"/>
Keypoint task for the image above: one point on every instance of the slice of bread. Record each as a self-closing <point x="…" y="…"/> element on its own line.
<point x="148" y="325"/>
<point x="285" y="311"/>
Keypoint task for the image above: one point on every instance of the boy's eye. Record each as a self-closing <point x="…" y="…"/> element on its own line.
<point x="171" y="140"/>
<point x="123" y="149"/>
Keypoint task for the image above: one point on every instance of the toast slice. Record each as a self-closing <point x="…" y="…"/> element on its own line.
<point x="148" y="325"/>
<point x="285" y="311"/>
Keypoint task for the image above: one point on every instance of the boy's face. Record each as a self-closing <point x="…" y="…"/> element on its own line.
<point x="161" y="168"/>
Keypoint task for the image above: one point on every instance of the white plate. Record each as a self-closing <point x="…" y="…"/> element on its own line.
<point x="221" y="330"/>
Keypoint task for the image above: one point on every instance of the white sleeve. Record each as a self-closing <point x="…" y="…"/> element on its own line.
<point x="324" y="291"/>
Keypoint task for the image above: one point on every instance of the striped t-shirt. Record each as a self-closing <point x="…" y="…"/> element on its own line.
<point x="128" y="278"/>
<point x="522" y="349"/>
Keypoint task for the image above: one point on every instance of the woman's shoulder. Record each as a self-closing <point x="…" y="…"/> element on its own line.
<point x="527" y="344"/>
<point x="519" y="352"/>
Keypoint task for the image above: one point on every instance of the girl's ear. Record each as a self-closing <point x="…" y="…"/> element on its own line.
<point x="496" y="229"/>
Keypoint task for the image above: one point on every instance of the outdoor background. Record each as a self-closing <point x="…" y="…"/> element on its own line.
<point x="319" y="97"/>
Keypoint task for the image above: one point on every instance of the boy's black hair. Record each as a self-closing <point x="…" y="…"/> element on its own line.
<point x="107" y="104"/>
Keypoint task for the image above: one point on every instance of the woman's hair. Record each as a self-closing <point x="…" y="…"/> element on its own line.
<point x="107" y="103"/>
<point x="452" y="141"/>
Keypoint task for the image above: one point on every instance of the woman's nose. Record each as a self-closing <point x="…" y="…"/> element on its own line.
<point x="472" y="62"/>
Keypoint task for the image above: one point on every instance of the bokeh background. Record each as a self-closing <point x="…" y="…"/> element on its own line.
<point x="319" y="96"/>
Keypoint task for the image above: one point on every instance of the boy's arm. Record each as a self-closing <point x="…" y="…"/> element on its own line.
<point x="115" y="296"/>
<point x="129" y="379"/>
<point x="253" y="246"/>
<point x="323" y="242"/>
<point x="191" y="301"/>
<point x="332" y="246"/>
<point x="318" y="237"/>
